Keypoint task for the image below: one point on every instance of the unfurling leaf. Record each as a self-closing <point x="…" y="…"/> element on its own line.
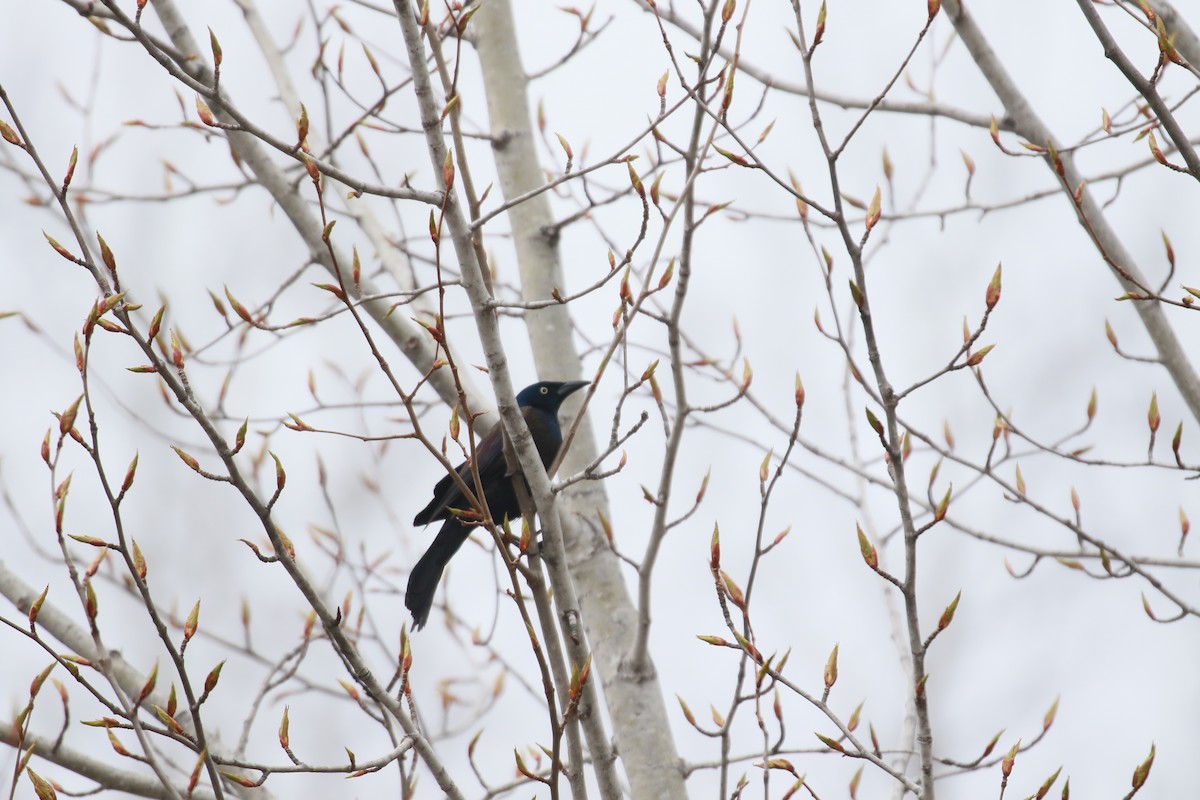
<point x="831" y="668"/>
<point x="867" y="549"/>
<point x="874" y="210"/>
<point x="1143" y="770"/>
<point x="993" y="290"/>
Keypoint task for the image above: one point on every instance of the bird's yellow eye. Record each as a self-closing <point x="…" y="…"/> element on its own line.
<point x="543" y="390"/>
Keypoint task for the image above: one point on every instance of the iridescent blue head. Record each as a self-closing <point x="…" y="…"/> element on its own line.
<point x="548" y="395"/>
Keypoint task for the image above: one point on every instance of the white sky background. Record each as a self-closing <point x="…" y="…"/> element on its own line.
<point x="1014" y="646"/>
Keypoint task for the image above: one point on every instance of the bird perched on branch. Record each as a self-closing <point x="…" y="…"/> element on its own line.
<point x="539" y="405"/>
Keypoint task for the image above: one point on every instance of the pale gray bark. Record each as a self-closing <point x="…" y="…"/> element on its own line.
<point x="634" y="699"/>
<point x="1030" y="126"/>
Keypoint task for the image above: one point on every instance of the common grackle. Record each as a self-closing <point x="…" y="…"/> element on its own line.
<point x="539" y="405"/>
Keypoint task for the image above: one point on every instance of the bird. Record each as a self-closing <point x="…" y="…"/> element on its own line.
<point x="539" y="404"/>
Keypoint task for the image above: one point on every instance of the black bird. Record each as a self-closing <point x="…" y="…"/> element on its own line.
<point x="539" y="405"/>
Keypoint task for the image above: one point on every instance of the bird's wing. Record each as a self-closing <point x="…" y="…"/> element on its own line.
<point x="446" y="494"/>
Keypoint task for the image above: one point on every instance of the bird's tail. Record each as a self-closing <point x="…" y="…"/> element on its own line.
<point x="424" y="578"/>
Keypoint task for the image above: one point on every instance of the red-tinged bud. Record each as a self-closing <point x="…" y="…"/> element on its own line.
<point x="994" y="129"/>
<point x="148" y="686"/>
<point x="817" y="319"/>
<point x="448" y="171"/>
<point x="58" y="248"/>
<point x="867" y="549"/>
<point x="434" y="229"/>
<point x="1155" y="151"/>
<point x="831" y="669"/>
<point x="1170" y="250"/>
<point x="88" y="540"/>
<point x="116" y="743"/>
<point x="91" y="607"/>
<point x="1146" y="607"/>
<point x="327" y="231"/>
<point x="727" y="99"/>
<point x="905" y="447"/>
<point x="240" y="439"/>
<point x="625" y="292"/>
<point x="874" y="422"/>
<point x="852" y="723"/>
<point x="1074" y="499"/>
<point x="934" y="7"/>
<point x="856" y="294"/>
<point x="280" y="475"/>
<point x="284" y="739"/>
<point x="9" y="134"/>
<point x="714" y="640"/>
<point x="654" y="198"/>
<point x="156" y="323"/>
<point x="94" y="567"/>
<point x="1152" y="416"/>
<point x="176" y="351"/>
<point x="196" y="770"/>
<point x="734" y="157"/>
<point x="727" y="10"/>
<point x="1006" y="766"/>
<point x="186" y="458"/>
<point x="205" y="114"/>
<point x="993" y="290"/>
<point x="991" y="745"/>
<point x="732" y="590"/>
<point x="920" y="692"/>
<point x="1143" y="770"/>
<point x="45" y="449"/>
<point x="1048" y="720"/>
<point x="832" y="744"/>
<point x="192" y="622"/>
<point x="42" y="787"/>
<point x="310" y="167"/>
<point x="939" y="513"/>
<point x="302" y="130"/>
<point x="1184" y="526"/>
<point x="66" y="420"/>
<point x="216" y="48"/>
<point x="702" y="491"/>
<point x="874" y="210"/>
<point x="1112" y="337"/>
<point x="974" y="359"/>
<point x="70" y="167"/>
<point x="35" y="685"/>
<point x="210" y="682"/>
<point x="948" y="615"/>
<point x="78" y="354"/>
<point x="820" y="25"/>
<point x="526" y="535"/>
<point x="634" y="180"/>
<point x="37" y="606"/>
<point x="799" y="391"/>
<point x="288" y="547"/>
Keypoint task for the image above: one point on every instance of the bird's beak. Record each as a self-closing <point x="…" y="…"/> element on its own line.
<point x="571" y="386"/>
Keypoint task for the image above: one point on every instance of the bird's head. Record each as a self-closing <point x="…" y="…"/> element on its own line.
<point x="548" y="395"/>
